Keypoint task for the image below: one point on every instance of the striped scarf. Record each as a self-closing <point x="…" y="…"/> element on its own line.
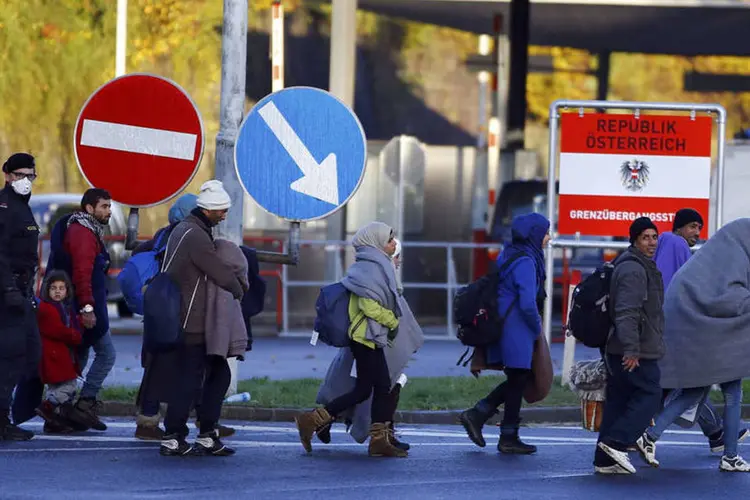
<point x="88" y="221"/>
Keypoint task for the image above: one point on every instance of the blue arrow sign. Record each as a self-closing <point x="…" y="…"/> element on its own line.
<point x="301" y="154"/>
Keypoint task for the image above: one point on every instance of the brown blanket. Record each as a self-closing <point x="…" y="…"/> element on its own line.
<point x="541" y="369"/>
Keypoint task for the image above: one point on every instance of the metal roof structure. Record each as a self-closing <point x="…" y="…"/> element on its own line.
<point x="675" y="27"/>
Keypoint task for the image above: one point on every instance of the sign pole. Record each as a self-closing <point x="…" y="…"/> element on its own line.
<point x="233" y="68"/>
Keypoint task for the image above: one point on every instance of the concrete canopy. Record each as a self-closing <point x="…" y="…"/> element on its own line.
<point x="675" y="27"/>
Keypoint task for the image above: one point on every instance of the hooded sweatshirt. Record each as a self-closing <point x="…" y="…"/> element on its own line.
<point x="672" y="252"/>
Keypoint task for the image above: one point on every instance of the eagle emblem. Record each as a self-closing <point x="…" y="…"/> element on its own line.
<point x="634" y="174"/>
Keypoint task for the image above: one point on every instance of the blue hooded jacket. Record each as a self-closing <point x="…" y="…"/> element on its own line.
<point x="521" y="286"/>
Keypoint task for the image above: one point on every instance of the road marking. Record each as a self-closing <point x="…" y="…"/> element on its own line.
<point x="55" y="450"/>
<point x="143" y="140"/>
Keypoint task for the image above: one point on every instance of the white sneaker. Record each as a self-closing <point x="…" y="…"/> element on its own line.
<point x="610" y="470"/>
<point x="618" y="456"/>
<point x="733" y="464"/>
<point x="647" y="449"/>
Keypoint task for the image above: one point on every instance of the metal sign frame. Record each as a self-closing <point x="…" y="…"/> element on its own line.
<point x="554" y="154"/>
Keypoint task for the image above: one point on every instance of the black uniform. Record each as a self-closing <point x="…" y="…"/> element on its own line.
<point x="20" y="346"/>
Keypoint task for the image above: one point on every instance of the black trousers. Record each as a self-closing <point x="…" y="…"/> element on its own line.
<point x="198" y="372"/>
<point x="510" y="394"/>
<point x="20" y="350"/>
<point x="372" y="378"/>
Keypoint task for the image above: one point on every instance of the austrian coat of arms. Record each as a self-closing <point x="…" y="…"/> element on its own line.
<point x="634" y="174"/>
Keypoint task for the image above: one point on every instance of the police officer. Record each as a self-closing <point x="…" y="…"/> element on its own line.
<point x="20" y="347"/>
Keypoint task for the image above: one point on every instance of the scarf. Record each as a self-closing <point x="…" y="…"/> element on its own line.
<point x="88" y="221"/>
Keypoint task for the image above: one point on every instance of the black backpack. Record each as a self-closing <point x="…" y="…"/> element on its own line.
<point x="590" y="318"/>
<point x="475" y="309"/>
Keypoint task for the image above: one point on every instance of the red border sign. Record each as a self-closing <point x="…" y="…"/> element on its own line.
<point x="617" y="167"/>
<point x="141" y="138"/>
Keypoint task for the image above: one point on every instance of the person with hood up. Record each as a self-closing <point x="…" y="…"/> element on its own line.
<point x="520" y="293"/>
<point x="633" y="350"/>
<point x="707" y="309"/>
<point x="374" y="314"/>
<point x="672" y="252"/>
<point x="339" y="381"/>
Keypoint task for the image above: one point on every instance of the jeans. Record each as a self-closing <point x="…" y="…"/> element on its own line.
<point x="633" y="398"/>
<point x="510" y="394"/>
<point x="676" y="407"/>
<point x="732" y="413"/>
<point x="104" y="360"/>
<point x="197" y="370"/>
<point x="62" y="393"/>
<point x="372" y="378"/>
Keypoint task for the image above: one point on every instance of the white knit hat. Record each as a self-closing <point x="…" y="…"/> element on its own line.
<point x="213" y="196"/>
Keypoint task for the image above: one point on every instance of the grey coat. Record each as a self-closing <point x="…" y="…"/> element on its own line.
<point x="707" y="310"/>
<point x="338" y="380"/>
<point x="637" y="299"/>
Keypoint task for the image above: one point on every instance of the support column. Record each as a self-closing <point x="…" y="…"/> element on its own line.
<point x="519" y="61"/>
<point x="602" y="75"/>
<point x="341" y="85"/>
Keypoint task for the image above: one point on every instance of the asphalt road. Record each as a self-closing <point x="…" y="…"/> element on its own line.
<point x="270" y="464"/>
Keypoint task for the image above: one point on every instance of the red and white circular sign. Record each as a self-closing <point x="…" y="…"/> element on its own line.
<point x="141" y="138"/>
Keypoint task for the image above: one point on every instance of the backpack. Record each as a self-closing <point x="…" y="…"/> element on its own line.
<point x="332" y="315"/>
<point x="590" y="318"/>
<point x="162" y="302"/>
<point x="475" y="309"/>
<point x="138" y="272"/>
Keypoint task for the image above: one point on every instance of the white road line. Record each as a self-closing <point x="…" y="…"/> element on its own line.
<point x="132" y="139"/>
<point x="55" y="450"/>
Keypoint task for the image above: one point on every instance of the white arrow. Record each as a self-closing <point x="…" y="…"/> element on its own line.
<point x="318" y="180"/>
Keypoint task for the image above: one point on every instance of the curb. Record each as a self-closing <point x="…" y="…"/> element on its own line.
<point x="541" y="415"/>
<point x="563" y="414"/>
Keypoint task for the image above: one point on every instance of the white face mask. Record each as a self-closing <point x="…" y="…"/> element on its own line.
<point x="22" y="186"/>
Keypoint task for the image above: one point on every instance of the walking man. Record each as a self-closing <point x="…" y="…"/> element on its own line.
<point x="20" y="346"/>
<point x="633" y="349"/>
<point x="672" y="253"/>
<point x="77" y="247"/>
<point x="193" y="261"/>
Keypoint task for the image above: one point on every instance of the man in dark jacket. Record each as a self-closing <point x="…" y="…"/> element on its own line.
<point x="77" y="247"/>
<point x="192" y="260"/>
<point x="20" y="346"/>
<point x="634" y="347"/>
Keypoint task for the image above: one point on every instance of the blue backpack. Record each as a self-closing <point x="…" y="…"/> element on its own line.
<point x="332" y="315"/>
<point x="138" y="272"/>
<point x="162" y="302"/>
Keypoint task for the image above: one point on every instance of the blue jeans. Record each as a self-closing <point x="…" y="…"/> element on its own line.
<point x="676" y="407"/>
<point x="104" y="360"/>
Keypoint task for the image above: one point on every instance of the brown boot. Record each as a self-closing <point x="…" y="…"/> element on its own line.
<point x="381" y="444"/>
<point x="309" y="423"/>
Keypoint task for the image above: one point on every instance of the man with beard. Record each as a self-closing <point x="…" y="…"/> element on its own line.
<point x="192" y="261"/>
<point x="77" y="247"/>
<point x="20" y="346"/>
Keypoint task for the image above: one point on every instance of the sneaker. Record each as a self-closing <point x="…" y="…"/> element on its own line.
<point x="85" y="412"/>
<point x="717" y="445"/>
<point x="610" y="470"/>
<point x="210" y="444"/>
<point x="733" y="464"/>
<point x="149" y="433"/>
<point x="647" y="449"/>
<point x="175" y="446"/>
<point x="620" y="457"/>
<point x="224" y="431"/>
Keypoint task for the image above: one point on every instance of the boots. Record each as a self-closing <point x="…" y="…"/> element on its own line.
<point x="395" y="442"/>
<point x="147" y="428"/>
<point x="512" y="445"/>
<point x="85" y="413"/>
<point x="308" y="423"/>
<point x="324" y="434"/>
<point x="473" y="420"/>
<point x="11" y="432"/>
<point x="54" y="421"/>
<point x="381" y="442"/>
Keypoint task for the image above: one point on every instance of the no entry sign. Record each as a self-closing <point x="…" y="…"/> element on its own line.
<point x="141" y="138"/>
<point x="615" y="168"/>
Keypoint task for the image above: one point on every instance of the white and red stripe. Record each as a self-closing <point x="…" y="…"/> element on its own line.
<point x="594" y="199"/>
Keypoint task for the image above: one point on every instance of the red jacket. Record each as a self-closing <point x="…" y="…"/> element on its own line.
<point x="83" y="246"/>
<point x="58" y="364"/>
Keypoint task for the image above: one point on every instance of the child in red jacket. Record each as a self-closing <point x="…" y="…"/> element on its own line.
<point x="60" y="331"/>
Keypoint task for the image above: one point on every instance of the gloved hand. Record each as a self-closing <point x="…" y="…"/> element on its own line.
<point x="14" y="300"/>
<point x="392" y="336"/>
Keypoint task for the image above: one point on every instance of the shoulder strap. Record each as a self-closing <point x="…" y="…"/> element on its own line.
<point x="168" y="263"/>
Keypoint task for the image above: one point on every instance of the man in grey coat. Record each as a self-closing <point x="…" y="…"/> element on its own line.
<point x="191" y="260"/>
<point x="633" y="349"/>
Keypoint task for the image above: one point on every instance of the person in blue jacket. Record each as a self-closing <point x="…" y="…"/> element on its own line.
<point x="520" y="298"/>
